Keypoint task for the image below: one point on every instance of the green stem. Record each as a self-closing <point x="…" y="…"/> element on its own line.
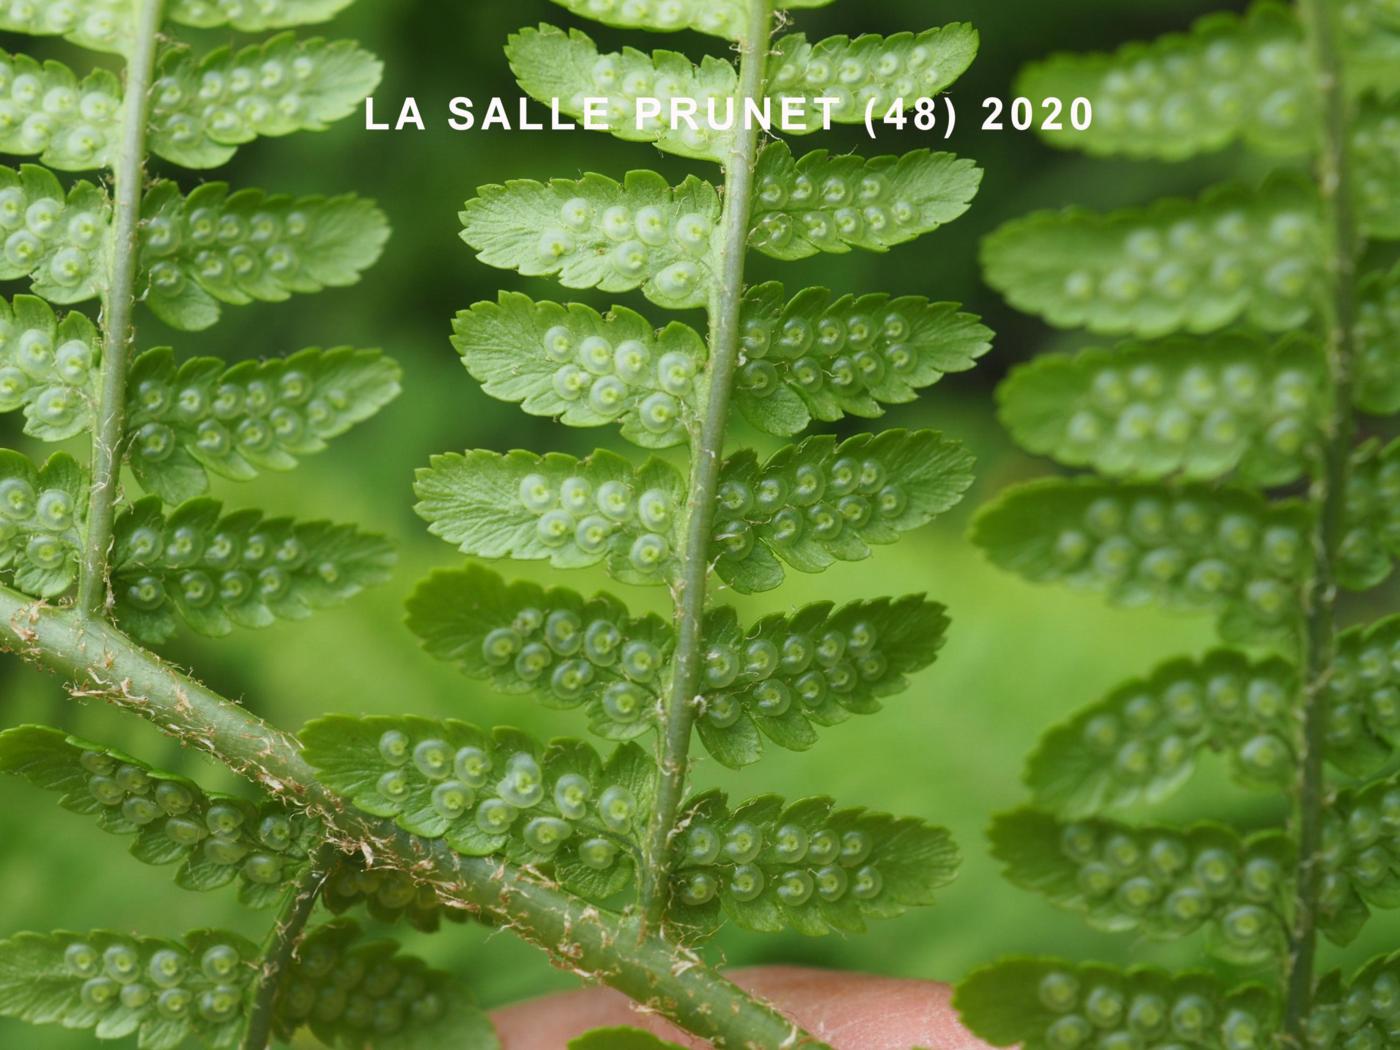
<point x="1335" y="179"/>
<point x="109" y="431"/>
<point x="707" y="455"/>
<point x="102" y="663"/>
<point x="282" y="946"/>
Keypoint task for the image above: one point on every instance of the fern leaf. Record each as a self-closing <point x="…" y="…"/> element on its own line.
<point x="819" y="666"/>
<point x="567" y="651"/>
<point x="572" y="512"/>
<point x="821" y="356"/>
<point x="240" y="570"/>
<point x="1162" y="882"/>
<point x="215" y="839"/>
<point x="48" y="367"/>
<point x="598" y="233"/>
<point x="1372" y="540"/>
<point x="1356" y="1012"/>
<point x="1377" y="334"/>
<point x="186" y="419"/>
<point x="1361" y="832"/>
<point x="107" y="25"/>
<point x="586" y="368"/>
<point x="769" y="865"/>
<point x="868" y="74"/>
<point x="620" y="1039"/>
<point x="341" y="985"/>
<point x="818" y="502"/>
<point x="1048" y="1004"/>
<point x="219" y="247"/>
<point x="825" y="203"/>
<point x="52" y="238"/>
<point x="201" y="110"/>
<point x="163" y="992"/>
<point x="254" y="18"/>
<point x="1147" y="410"/>
<point x="1237" y="253"/>
<point x="1141" y="742"/>
<point x="1363" y="718"/>
<point x="723" y="18"/>
<point x="498" y="792"/>
<point x="1376" y="147"/>
<point x="1231" y="78"/>
<point x="1190" y="548"/>
<point x="41" y="521"/>
<point x="1373" y="45"/>
<point x="551" y="64"/>
<point x="389" y="896"/>
<point x="49" y="113"/>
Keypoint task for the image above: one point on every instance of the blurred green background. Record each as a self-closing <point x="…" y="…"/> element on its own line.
<point x="950" y="750"/>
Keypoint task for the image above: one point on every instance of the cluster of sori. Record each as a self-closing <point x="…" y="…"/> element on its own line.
<point x="494" y="794"/>
<point x="173" y="558"/>
<point x="1238" y="387"/>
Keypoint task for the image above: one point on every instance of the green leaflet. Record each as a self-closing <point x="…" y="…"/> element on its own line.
<point x="1231" y="78"/>
<point x="620" y="1039"/>
<point x="41" y="520"/>
<point x="219" y="247"/>
<point x="1191" y="548"/>
<point x="1376" y="146"/>
<point x="566" y="650"/>
<point x="1159" y="881"/>
<point x="869" y="71"/>
<point x="1360" y="857"/>
<point x="586" y="368"/>
<point x="342" y="987"/>
<point x="256" y="18"/>
<point x="1377" y="335"/>
<point x="820" y="665"/>
<point x="389" y="896"/>
<point x="551" y="64"/>
<point x="47" y="112"/>
<point x="1235" y="253"/>
<point x="1141" y="742"/>
<point x="1363" y="719"/>
<point x="1048" y="1004"/>
<point x="201" y="110"/>
<point x="498" y="792"/>
<point x="163" y="992"/>
<point x="817" y="502"/>
<point x="822" y="356"/>
<point x="216" y="839"/>
<point x="1372" y="540"/>
<point x="186" y="419"/>
<point x="106" y="25"/>
<point x="1201" y="409"/>
<point x="826" y="203"/>
<point x="1373" y="43"/>
<point x="572" y="512"/>
<point x="240" y="570"/>
<point x="598" y="233"/>
<point x="47" y="367"/>
<point x="725" y="18"/>
<point x="1358" y="1012"/>
<point x="768" y="865"/>
<point x="51" y="238"/>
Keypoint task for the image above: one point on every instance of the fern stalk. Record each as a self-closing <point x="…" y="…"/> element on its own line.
<point x="102" y="663"/>
<point x="109" y="431"/>
<point x="282" y="945"/>
<point x="1336" y="186"/>
<point x="707" y="455"/>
